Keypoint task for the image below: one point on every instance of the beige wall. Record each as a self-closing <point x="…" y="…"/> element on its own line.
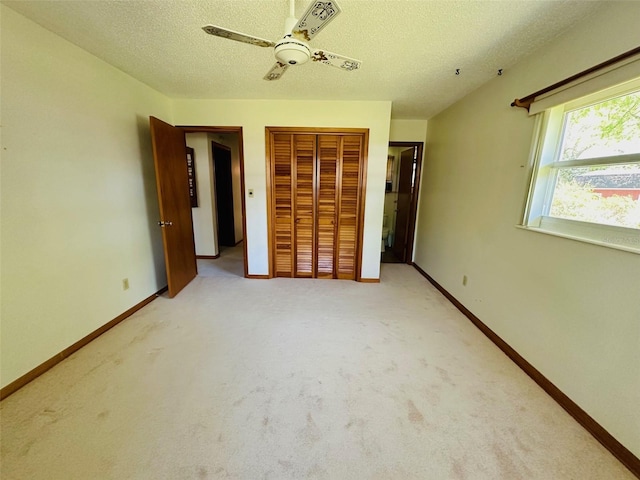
<point x="408" y="130"/>
<point x="78" y="194"/>
<point x="571" y="309"/>
<point x="255" y="115"/>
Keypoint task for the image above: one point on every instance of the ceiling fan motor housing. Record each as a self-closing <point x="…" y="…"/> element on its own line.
<point x="292" y="51"/>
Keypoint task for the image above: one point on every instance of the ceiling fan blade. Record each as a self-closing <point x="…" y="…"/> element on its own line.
<point x="317" y="16"/>
<point x="237" y="36"/>
<point x="276" y="71"/>
<point x="335" y="60"/>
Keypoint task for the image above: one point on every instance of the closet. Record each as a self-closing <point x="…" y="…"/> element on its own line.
<point x="316" y="195"/>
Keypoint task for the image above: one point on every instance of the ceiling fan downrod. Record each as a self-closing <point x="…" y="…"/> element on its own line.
<point x="291" y="21"/>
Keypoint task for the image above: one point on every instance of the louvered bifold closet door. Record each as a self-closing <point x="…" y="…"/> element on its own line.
<point x="304" y="155"/>
<point x="328" y="154"/>
<point x="282" y="198"/>
<point x="349" y="172"/>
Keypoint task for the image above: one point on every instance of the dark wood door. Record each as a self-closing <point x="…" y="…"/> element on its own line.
<point x="405" y="185"/>
<point x="224" y="194"/>
<point x="170" y="159"/>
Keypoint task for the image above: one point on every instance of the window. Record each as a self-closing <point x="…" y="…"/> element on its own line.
<point x="586" y="177"/>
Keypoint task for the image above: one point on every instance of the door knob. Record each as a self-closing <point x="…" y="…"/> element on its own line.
<point x="164" y="224"/>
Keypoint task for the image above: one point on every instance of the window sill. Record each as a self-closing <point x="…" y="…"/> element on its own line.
<point x="618" y="238"/>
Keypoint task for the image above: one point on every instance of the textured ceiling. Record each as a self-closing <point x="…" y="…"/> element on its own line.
<point x="409" y="48"/>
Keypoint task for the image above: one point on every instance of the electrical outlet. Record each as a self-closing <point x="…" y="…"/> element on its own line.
<point x="125" y="284"/>
<point x="464" y="280"/>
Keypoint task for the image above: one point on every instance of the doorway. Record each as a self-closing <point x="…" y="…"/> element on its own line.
<point x="176" y="169"/>
<point x="219" y="219"/>
<point x="404" y="164"/>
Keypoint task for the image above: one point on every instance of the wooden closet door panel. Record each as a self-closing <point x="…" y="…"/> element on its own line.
<point x="304" y="204"/>
<point x="328" y="154"/>
<point x="281" y="154"/>
<point x="349" y="201"/>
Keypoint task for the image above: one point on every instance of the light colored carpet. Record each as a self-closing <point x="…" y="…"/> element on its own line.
<point x="294" y="379"/>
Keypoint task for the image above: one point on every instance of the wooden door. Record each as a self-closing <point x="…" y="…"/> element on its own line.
<point x="304" y="201"/>
<point x="403" y="207"/>
<point x="348" y="211"/>
<point x="281" y="156"/>
<point x="224" y="194"/>
<point x="170" y="159"/>
<point x="329" y="151"/>
<point x="316" y="182"/>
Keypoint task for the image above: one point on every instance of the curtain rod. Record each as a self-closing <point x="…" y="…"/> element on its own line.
<point x="525" y="102"/>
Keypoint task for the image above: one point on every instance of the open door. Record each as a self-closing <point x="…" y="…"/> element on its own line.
<point x="405" y="185"/>
<point x="169" y="156"/>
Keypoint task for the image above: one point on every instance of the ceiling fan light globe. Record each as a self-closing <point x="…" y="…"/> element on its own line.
<point x="292" y="51"/>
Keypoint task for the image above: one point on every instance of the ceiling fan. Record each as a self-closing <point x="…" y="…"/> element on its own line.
<point x="293" y="47"/>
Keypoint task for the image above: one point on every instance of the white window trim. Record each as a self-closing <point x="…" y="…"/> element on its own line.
<point x="610" y="236"/>
<point x="543" y="174"/>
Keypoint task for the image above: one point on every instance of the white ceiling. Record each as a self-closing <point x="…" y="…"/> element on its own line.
<point x="409" y="48"/>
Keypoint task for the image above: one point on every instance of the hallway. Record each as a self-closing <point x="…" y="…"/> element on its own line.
<point x="229" y="264"/>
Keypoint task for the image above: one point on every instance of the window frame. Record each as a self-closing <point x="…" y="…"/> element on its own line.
<point x="545" y="166"/>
